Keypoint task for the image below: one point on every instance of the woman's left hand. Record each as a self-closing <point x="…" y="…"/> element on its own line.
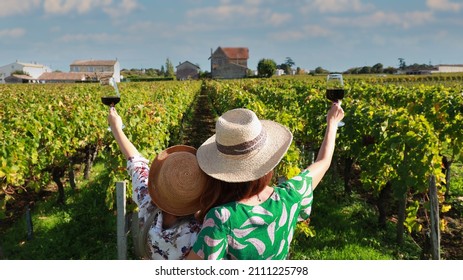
<point x="114" y="120"/>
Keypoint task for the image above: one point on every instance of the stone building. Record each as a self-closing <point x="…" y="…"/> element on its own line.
<point x="98" y="67"/>
<point x="229" y="63"/>
<point x="187" y="71"/>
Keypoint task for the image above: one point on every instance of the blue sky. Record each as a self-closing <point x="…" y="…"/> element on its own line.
<point x="333" y="34"/>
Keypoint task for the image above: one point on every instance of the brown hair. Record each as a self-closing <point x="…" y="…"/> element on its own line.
<point x="220" y="192"/>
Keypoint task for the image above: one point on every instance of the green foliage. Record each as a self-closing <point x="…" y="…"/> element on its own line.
<point x="84" y="229"/>
<point x="19" y="72"/>
<point x="51" y="125"/>
<point x="170" y="71"/>
<point x="346" y="229"/>
<point x="397" y="129"/>
<point x="266" y="68"/>
<point x="395" y="134"/>
<point x="320" y="70"/>
<point x="411" y="223"/>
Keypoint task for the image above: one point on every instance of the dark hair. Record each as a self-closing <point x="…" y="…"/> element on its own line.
<point x="220" y="192"/>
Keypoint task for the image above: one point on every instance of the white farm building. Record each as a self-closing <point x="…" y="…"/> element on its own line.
<point x="448" y="68"/>
<point x="436" y="69"/>
<point x="30" y="70"/>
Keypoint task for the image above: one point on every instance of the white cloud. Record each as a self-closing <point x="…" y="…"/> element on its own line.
<point x="113" y="8"/>
<point x="62" y="7"/>
<point x="146" y="30"/>
<point x="246" y="2"/>
<point x="224" y="12"/>
<point x="96" y="38"/>
<point x="14" y="7"/>
<point x="249" y="13"/>
<point x="308" y="31"/>
<point x="336" y="6"/>
<point x="417" y="18"/>
<point x="404" y="20"/>
<point x="68" y="6"/>
<point x="444" y="5"/>
<point x="317" y="31"/>
<point x="141" y="26"/>
<point x="124" y="8"/>
<point x="12" y="33"/>
<point x="277" y="19"/>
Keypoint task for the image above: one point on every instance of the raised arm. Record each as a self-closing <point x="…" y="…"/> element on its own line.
<point x="325" y="154"/>
<point x="115" y="122"/>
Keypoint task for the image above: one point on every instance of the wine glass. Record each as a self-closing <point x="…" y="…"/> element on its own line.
<point x="110" y="93"/>
<point x="335" y="90"/>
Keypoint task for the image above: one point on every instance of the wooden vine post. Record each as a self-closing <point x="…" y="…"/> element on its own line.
<point x="121" y="228"/>
<point x="435" y="229"/>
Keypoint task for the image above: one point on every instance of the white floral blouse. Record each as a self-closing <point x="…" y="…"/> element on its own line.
<point x="165" y="244"/>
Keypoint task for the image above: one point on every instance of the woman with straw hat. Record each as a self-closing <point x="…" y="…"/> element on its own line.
<point x="167" y="194"/>
<point x="246" y="218"/>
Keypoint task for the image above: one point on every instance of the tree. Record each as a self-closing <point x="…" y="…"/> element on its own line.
<point x="320" y="70"/>
<point x="170" y="72"/>
<point x="19" y="72"/>
<point x="402" y="64"/>
<point x="390" y="70"/>
<point x="289" y="61"/>
<point x="365" y="70"/>
<point x="266" y="68"/>
<point x="162" y="72"/>
<point x="151" y="72"/>
<point x="286" y="66"/>
<point x="377" y="68"/>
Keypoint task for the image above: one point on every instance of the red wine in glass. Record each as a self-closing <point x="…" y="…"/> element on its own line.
<point x="335" y="90"/>
<point x="110" y="93"/>
<point x="110" y="100"/>
<point x="335" y="94"/>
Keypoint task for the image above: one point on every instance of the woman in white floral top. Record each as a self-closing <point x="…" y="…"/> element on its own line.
<point x="167" y="194"/>
<point x="245" y="217"/>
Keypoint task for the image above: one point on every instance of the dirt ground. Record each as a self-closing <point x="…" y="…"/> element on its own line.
<point x="203" y="124"/>
<point x="452" y="237"/>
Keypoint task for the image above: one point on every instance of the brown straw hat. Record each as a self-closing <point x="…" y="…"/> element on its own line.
<point x="175" y="181"/>
<point x="244" y="148"/>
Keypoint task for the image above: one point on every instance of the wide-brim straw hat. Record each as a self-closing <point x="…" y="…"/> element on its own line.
<point x="244" y="148"/>
<point x="175" y="181"/>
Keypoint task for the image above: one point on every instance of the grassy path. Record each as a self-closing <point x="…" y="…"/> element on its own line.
<point x="200" y="124"/>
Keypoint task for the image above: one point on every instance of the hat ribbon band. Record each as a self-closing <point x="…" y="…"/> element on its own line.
<point x="245" y="147"/>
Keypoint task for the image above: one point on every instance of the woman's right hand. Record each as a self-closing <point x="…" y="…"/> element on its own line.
<point x="335" y="114"/>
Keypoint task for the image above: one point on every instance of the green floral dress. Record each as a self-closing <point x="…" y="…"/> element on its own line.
<point x="238" y="231"/>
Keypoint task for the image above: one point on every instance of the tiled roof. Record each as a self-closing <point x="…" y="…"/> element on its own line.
<point x="62" y="76"/>
<point x="236" y="53"/>
<point x="187" y="63"/>
<point x="93" y="62"/>
<point x="72" y="76"/>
